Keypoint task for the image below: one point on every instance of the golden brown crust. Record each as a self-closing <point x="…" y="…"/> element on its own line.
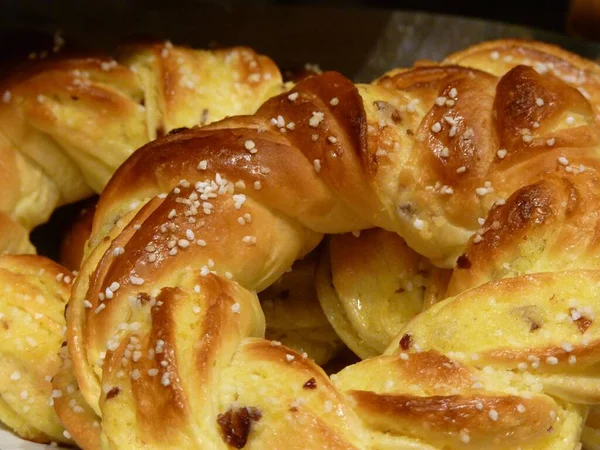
<point x="498" y="57"/>
<point x="529" y="233"/>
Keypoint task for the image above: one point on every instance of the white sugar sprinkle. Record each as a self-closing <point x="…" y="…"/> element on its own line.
<point x="317" y="165"/>
<point x="419" y="224"/>
<point x="316" y="119"/>
<point x="136" y="280"/>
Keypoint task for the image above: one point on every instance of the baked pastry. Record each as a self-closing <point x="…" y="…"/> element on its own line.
<point x="164" y="316"/>
<point x="33" y="295"/>
<point x="66" y="125"/>
<point x="511" y="249"/>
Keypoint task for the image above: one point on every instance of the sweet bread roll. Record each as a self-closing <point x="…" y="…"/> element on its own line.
<point x="33" y="295"/>
<point x="67" y="124"/>
<point x="164" y="314"/>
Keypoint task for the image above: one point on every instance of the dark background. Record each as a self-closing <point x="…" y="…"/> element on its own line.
<point x="338" y="35"/>
<point x="549" y="14"/>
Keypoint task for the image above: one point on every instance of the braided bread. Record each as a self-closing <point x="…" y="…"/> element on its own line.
<point x="523" y="237"/>
<point x="66" y="125"/>
<point x="165" y="329"/>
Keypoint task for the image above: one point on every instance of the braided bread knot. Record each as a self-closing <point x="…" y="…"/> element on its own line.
<point x="67" y="124"/>
<point x="164" y="324"/>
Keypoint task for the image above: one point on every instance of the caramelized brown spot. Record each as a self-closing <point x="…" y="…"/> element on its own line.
<point x="310" y="384"/>
<point x="410" y="132"/>
<point x="405" y="341"/>
<point x="236" y="424"/>
<point x="583" y="323"/>
<point x="160" y="131"/>
<point x="144" y="297"/>
<point x="534" y="326"/>
<point x="113" y="393"/>
<point x="400" y="290"/>
<point x="74" y="98"/>
<point x="463" y="262"/>
<point x="407" y="209"/>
